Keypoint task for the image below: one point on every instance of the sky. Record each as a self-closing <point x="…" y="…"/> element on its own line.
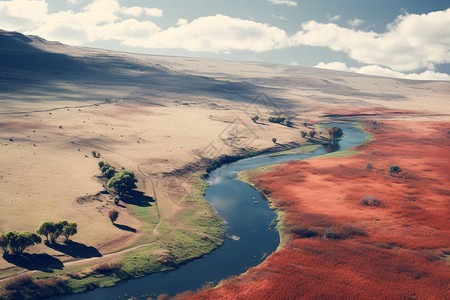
<point x="394" y="38"/>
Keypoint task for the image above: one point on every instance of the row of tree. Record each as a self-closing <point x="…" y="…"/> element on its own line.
<point x="16" y="242"/>
<point x="334" y="133"/>
<point x="53" y="230"/>
<point x="276" y="119"/>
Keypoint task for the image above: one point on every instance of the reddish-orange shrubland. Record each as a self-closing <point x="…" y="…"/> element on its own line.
<point x="397" y="248"/>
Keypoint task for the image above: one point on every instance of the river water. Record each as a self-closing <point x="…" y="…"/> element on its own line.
<point x="251" y="233"/>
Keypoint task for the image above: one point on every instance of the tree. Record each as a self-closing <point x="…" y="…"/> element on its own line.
<point x="303" y="133"/>
<point x="335" y="133"/>
<point x="107" y="170"/>
<point x="312" y="133"/>
<point x="52" y="230"/>
<point x="123" y="182"/>
<point x="45" y="229"/>
<point x="69" y="230"/>
<point x="113" y="215"/>
<point x="4" y="242"/>
<point x="274" y="140"/>
<point x="19" y="241"/>
<point x="255" y="118"/>
<point x="277" y="119"/>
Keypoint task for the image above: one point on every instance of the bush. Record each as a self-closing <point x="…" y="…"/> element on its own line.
<point x="101" y="164"/>
<point x="277" y="119"/>
<point x="369" y="167"/>
<point x="312" y="133"/>
<point x="113" y="215"/>
<point x="329" y="234"/>
<point x="288" y="123"/>
<point x="370" y="200"/>
<point x="303" y="232"/>
<point x="255" y="118"/>
<point x="303" y="133"/>
<point x="394" y="170"/>
<point x="107" y="267"/>
<point x="274" y="140"/>
<point x="18" y="282"/>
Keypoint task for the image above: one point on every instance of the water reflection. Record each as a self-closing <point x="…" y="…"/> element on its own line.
<point x="332" y="147"/>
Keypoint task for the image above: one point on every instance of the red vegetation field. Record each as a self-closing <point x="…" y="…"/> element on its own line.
<point x="399" y="249"/>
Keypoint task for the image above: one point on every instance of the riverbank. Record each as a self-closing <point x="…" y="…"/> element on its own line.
<point x="355" y="229"/>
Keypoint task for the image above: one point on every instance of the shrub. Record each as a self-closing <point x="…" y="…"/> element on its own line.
<point x="113" y="215"/>
<point x="369" y="167"/>
<point x="394" y="170"/>
<point x="303" y="232"/>
<point x="18" y="282"/>
<point x="312" y="133"/>
<point x="277" y="119"/>
<point x="255" y="118"/>
<point x="288" y="123"/>
<point x="107" y="267"/>
<point x="303" y="133"/>
<point x="274" y="140"/>
<point x="101" y="164"/>
<point x="370" y="200"/>
<point x="329" y="234"/>
<point x="348" y="231"/>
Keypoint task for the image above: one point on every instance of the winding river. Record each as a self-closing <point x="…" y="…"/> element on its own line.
<point x="251" y="235"/>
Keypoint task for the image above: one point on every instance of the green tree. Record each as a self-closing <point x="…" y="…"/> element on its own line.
<point x="108" y="171"/>
<point x="69" y="230"/>
<point x="123" y="182"/>
<point x="4" y="242"/>
<point x="52" y="230"/>
<point x="335" y="133"/>
<point x="303" y="133"/>
<point x="45" y="229"/>
<point x="312" y="133"/>
<point x="19" y="241"/>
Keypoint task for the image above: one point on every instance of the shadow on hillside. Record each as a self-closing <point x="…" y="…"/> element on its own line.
<point x="42" y="262"/>
<point x="137" y="198"/>
<point x="75" y="249"/>
<point x="125" y="227"/>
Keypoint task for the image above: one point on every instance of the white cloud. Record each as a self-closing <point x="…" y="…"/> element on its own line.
<point x="410" y="43"/>
<point x="337" y="66"/>
<point x="22" y="14"/>
<point x="384" y="72"/>
<point x="182" y="22"/>
<point x="355" y="22"/>
<point x="283" y="2"/>
<point x="153" y="12"/>
<point x="134" y="11"/>
<point x="334" y="18"/>
<point x="219" y="34"/>
<point x="278" y="17"/>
